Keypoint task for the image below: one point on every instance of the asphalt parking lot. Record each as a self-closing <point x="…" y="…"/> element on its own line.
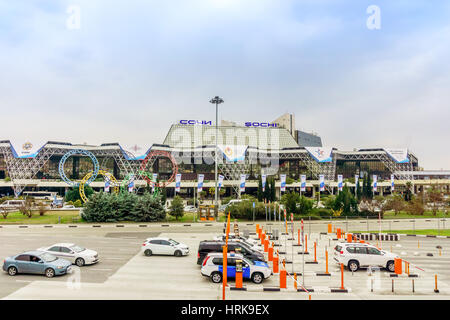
<point x="125" y="273"/>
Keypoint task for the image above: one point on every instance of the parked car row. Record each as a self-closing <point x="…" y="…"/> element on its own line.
<point x="50" y="261"/>
<point x="241" y="250"/>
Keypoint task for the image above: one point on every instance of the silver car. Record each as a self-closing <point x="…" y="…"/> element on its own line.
<point x="72" y="252"/>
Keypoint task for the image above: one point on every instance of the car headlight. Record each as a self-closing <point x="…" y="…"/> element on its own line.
<point x="59" y="267"/>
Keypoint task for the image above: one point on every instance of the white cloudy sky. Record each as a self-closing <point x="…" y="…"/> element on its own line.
<point x="134" y="67"/>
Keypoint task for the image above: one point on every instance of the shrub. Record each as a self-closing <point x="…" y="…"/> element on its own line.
<point x="78" y="203"/>
<point x="42" y="208"/>
<point x="7" y="179"/>
<point x="26" y="207"/>
<point x="321" y="212"/>
<point x="4" y="212"/>
<point x="110" y="207"/>
<point x="176" y="208"/>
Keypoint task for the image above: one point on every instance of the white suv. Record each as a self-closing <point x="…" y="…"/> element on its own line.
<point x="358" y="255"/>
<point x="212" y="267"/>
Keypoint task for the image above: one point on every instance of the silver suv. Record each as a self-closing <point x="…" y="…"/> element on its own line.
<point x="359" y="255"/>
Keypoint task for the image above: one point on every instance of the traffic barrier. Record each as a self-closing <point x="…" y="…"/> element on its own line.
<point x="326" y="262"/>
<point x="298" y="237"/>
<point x="435" y="284"/>
<point x="270" y="254"/>
<point x="342" y="276"/>
<point x="306" y="243"/>
<point x="266" y="245"/>
<point x="349" y="237"/>
<point x="283" y="279"/>
<point x="330" y="226"/>
<point x="338" y="233"/>
<point x="238" y="279"/>
<point x="295" y="281"/>
<point x="315" y="251"/>
<point x="398" y="266"/>
<point x="275" y="264"/>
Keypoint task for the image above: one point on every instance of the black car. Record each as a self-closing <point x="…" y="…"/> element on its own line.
<point x="208" y="246"/>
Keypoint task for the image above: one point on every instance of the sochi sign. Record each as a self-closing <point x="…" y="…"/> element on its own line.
<point x="201" y="122"/>
<point x="260" y="124"/>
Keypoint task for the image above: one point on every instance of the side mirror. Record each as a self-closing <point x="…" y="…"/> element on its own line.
<point x="41" y="261"/>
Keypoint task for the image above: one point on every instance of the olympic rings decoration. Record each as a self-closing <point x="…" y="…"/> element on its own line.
<point x="106" y="174"/>
<point x="82" y="152"/>
<point x="153" y="155"/>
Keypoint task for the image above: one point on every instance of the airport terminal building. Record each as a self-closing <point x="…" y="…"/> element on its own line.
<point x="249" y="149"/>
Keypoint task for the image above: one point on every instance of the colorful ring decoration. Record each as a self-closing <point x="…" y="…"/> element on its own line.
<point x="82" y="152"/>
<point x="114" y="183"/>
<point x="154" y="155"/>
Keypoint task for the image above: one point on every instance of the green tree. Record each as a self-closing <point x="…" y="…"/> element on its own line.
<point x="346" y="201"/>
<point x="259" y="193"/>
<point x="305" y="205"/>
<point x="396" y="203"/>
<point x="176" y="208"/>
<point x="73" y="194"/>
<point x="273" y="196"/>
<point x="358" y="191"/>
<point x="290" y="200"/>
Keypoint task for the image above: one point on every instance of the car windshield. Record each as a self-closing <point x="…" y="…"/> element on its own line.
<point x="173" y="242"/>
<point x="77" y="248"/>
<point x="249" y="262"/>
<point x="47" y="257"/>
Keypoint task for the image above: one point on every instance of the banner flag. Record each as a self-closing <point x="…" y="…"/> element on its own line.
<point x="340" y="182"/>
<point x="131" y="184"/>
<point x="398" y="155"/>
<point x="320" y="154"/>
<point x="322" y="182"/>
<point x="178" y="182"/>
<point x="200" y="182"/>
<point x="242" y="185"/>
<point x="220" y="182"/>
<point x="107" y="184"/>
<point x="374" y="183"/>
<point x="283" y="182"/>
<point x="356" y="179"/>
<point x="263" y="178"/>
<point x="233" y="153"/>
<point x="154" y="180"/>
<point x="303" y="183"/>
<point x="392" y="182"/>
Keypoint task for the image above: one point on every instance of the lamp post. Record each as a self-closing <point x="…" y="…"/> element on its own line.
<point x="216" y="100"/>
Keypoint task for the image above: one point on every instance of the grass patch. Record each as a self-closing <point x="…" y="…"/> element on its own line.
<point x="404" y="215"/>
<point x="50" y="217"/>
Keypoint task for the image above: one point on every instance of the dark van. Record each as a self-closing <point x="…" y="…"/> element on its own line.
<point x="208" y="246"/>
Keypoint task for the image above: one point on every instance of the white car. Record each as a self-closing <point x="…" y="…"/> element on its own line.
<point x="212" y="267"/>
<point x="357" y="255"/>
<point x="72" y="252"/>
<point x="190" y="209"/>
<point x="251" y="243"/>
<point x="164" y="246"/>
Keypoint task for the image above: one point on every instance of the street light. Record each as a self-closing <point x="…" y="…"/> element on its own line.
<point x="216" y="100"/>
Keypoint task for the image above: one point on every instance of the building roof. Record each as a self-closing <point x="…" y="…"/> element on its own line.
<point x="192" y="136"/>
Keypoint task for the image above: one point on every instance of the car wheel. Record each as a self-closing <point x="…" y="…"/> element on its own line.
<point x="49" y="273"/>
<point x="178" y="253"/>
<point x="79" y="262"/>
<point x="216" y="277"/>
<point x="390" y="266"/>
<point x="12" y="271"/>
<point x="148" y="252"/>
<point x="353" y="265"/>
<point x="257" y="277"/>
